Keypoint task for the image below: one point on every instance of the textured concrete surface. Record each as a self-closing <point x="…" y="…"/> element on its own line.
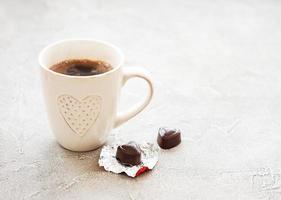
<point x="217" y="73"/>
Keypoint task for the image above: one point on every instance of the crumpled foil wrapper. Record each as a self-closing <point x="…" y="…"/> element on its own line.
<point x="149" y="156"/>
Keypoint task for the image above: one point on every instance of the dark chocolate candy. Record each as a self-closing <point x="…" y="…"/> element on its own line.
<point x="129" y="154"/>
<point x="168" y="138"/>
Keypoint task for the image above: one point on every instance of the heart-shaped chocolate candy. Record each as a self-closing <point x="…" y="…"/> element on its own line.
<point x="129" y="154"/>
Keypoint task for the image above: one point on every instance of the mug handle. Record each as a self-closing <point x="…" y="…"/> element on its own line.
<point x="135" y="72"/>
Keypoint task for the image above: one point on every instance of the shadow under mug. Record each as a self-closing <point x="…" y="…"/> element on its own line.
<point x="82" y="110"/>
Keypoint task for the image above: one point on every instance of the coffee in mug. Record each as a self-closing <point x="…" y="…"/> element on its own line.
<point x="81" y="67"/>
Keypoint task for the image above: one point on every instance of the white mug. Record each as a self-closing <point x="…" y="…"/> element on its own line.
<point x="82" y="110"/>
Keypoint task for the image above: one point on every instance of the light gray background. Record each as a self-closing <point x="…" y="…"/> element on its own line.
<point x="217" y="74"/>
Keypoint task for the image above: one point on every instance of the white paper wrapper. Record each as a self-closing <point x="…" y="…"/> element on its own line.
<point x="109" y="162"/>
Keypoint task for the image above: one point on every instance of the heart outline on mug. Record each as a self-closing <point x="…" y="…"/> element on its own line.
<point x="79" y="115"/>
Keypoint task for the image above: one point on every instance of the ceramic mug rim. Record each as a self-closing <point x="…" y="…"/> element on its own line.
<point x="48" y="47"/>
